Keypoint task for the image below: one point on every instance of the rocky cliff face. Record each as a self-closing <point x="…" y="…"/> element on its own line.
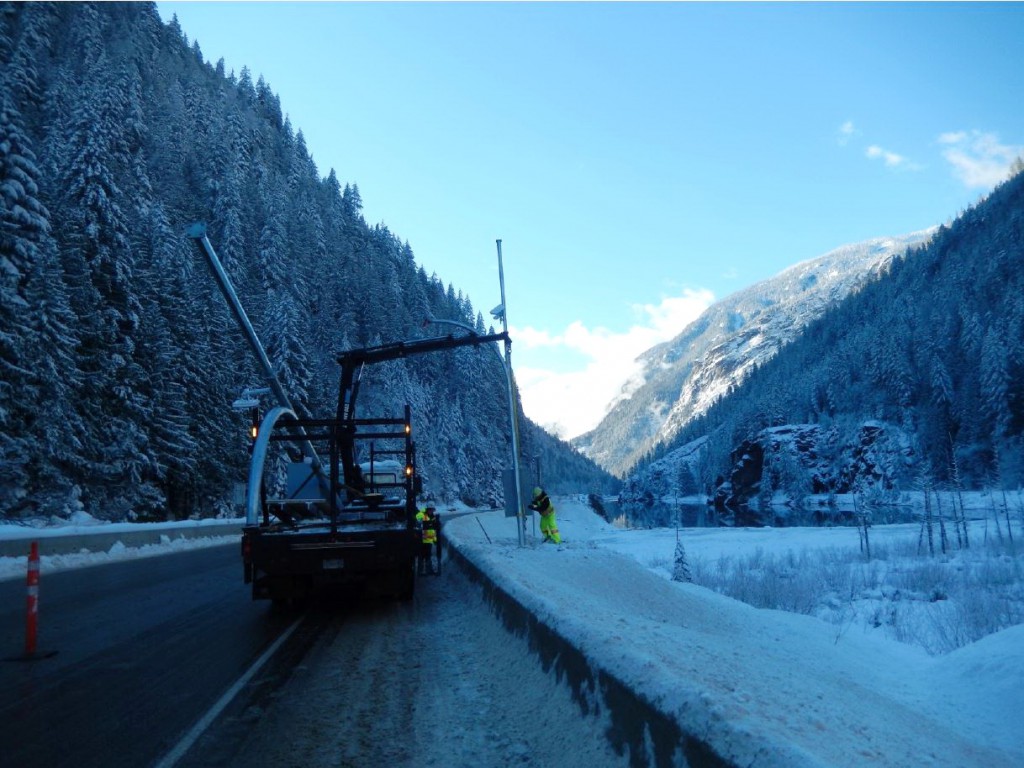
<point x="794" y="461"/>
<point x="782" y="466"/>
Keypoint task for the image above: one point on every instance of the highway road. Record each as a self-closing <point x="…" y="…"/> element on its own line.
<point x="167" y="662"/>
<point x="127" y="655"/>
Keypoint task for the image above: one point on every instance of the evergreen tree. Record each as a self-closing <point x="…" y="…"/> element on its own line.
<point x="97" y="230"/>
<point x="171" y="444"/>
<point x="995" y="383"/>
<point x="283" y="329"/>
<point x="680" y="564"/>
<point x="23" y="227"/>
<point x="352" y="201"/>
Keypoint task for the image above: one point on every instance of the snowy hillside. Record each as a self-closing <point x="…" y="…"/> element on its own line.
<point x="683" y="377"/>
<point x="116" y="135"/>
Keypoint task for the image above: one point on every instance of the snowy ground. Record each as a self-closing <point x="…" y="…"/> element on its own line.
<point x="433" y="683"/>
<point x="764" y="687"/>
<point x="83" y="528"/>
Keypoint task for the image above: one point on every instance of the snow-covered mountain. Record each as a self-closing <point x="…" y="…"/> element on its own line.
<point x="682" y="378"/>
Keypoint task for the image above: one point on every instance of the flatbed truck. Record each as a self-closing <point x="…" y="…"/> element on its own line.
<point x="339" y="523"/>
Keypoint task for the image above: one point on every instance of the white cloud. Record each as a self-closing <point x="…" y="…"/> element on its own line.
<point x="891" y="159"/>
<point x="532" y="338"/>
<point x="846" y="132"/>
<point x="978" y="159"/>
<point x="572" y="403"/>
<point x="674" y="313"/>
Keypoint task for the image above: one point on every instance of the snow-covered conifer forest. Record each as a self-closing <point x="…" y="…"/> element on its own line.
<point x="119" y="359"/>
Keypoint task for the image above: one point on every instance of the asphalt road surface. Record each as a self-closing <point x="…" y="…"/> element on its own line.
<point x="129" y="655"/>
<point x="154" y="663"/>
<point x="436" y="682"/>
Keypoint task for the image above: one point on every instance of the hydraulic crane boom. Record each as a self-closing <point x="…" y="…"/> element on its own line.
<point x="352" y="361"/>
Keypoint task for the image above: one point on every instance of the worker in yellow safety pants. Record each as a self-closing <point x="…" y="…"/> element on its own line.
<point x="548" y="526"/>
<point x="426" y="520"/>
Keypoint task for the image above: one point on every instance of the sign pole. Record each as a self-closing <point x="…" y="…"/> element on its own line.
<point x="513" y="418"/>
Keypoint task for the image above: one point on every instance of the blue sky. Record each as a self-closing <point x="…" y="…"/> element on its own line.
<point x="638" y="160"/>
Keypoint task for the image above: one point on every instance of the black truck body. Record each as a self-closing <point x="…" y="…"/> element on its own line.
<point x="344" y="524"/>
<point x="324" y="533"/>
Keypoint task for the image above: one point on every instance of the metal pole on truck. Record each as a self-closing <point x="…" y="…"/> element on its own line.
<point x="197" y="232"/>
<point x="260" y="448"/>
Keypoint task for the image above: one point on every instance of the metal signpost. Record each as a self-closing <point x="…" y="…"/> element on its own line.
<point x="501" y="311"/>
<point x="498" y="313"/>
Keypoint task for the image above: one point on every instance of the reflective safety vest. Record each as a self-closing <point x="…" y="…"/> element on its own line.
<point x="428" y="526"/>
<point x="542" y="504"/>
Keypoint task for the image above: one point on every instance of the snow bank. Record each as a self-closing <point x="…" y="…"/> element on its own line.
<point x="757" y="687"/>
<point x="87" y="541"/>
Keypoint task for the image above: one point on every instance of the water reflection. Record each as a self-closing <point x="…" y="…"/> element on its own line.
<point x="690" y="515"/>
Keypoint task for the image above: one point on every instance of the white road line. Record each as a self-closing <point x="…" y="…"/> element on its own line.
<point x="192" y="736"/>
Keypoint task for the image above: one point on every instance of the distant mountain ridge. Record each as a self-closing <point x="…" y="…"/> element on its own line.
<point x="680" y="379"/>
<point x="914" y="381"/>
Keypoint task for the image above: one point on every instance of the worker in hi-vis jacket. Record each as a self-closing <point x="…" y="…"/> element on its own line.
<point x="548" y="525"/>
<point x="426" y="520"/>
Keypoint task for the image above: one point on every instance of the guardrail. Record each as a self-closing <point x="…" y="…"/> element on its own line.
<point x="100" y="540"/>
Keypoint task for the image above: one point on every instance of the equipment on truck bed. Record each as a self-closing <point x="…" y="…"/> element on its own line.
<point x="339" y="523"/>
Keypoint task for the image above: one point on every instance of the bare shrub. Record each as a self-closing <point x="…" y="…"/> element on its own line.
<point x="938" y="603"/>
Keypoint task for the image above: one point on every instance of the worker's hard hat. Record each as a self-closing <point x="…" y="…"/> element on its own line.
<point x="538" y="492"/>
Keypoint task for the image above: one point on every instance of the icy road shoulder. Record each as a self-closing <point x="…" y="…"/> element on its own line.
<point x="759" y="687"/>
